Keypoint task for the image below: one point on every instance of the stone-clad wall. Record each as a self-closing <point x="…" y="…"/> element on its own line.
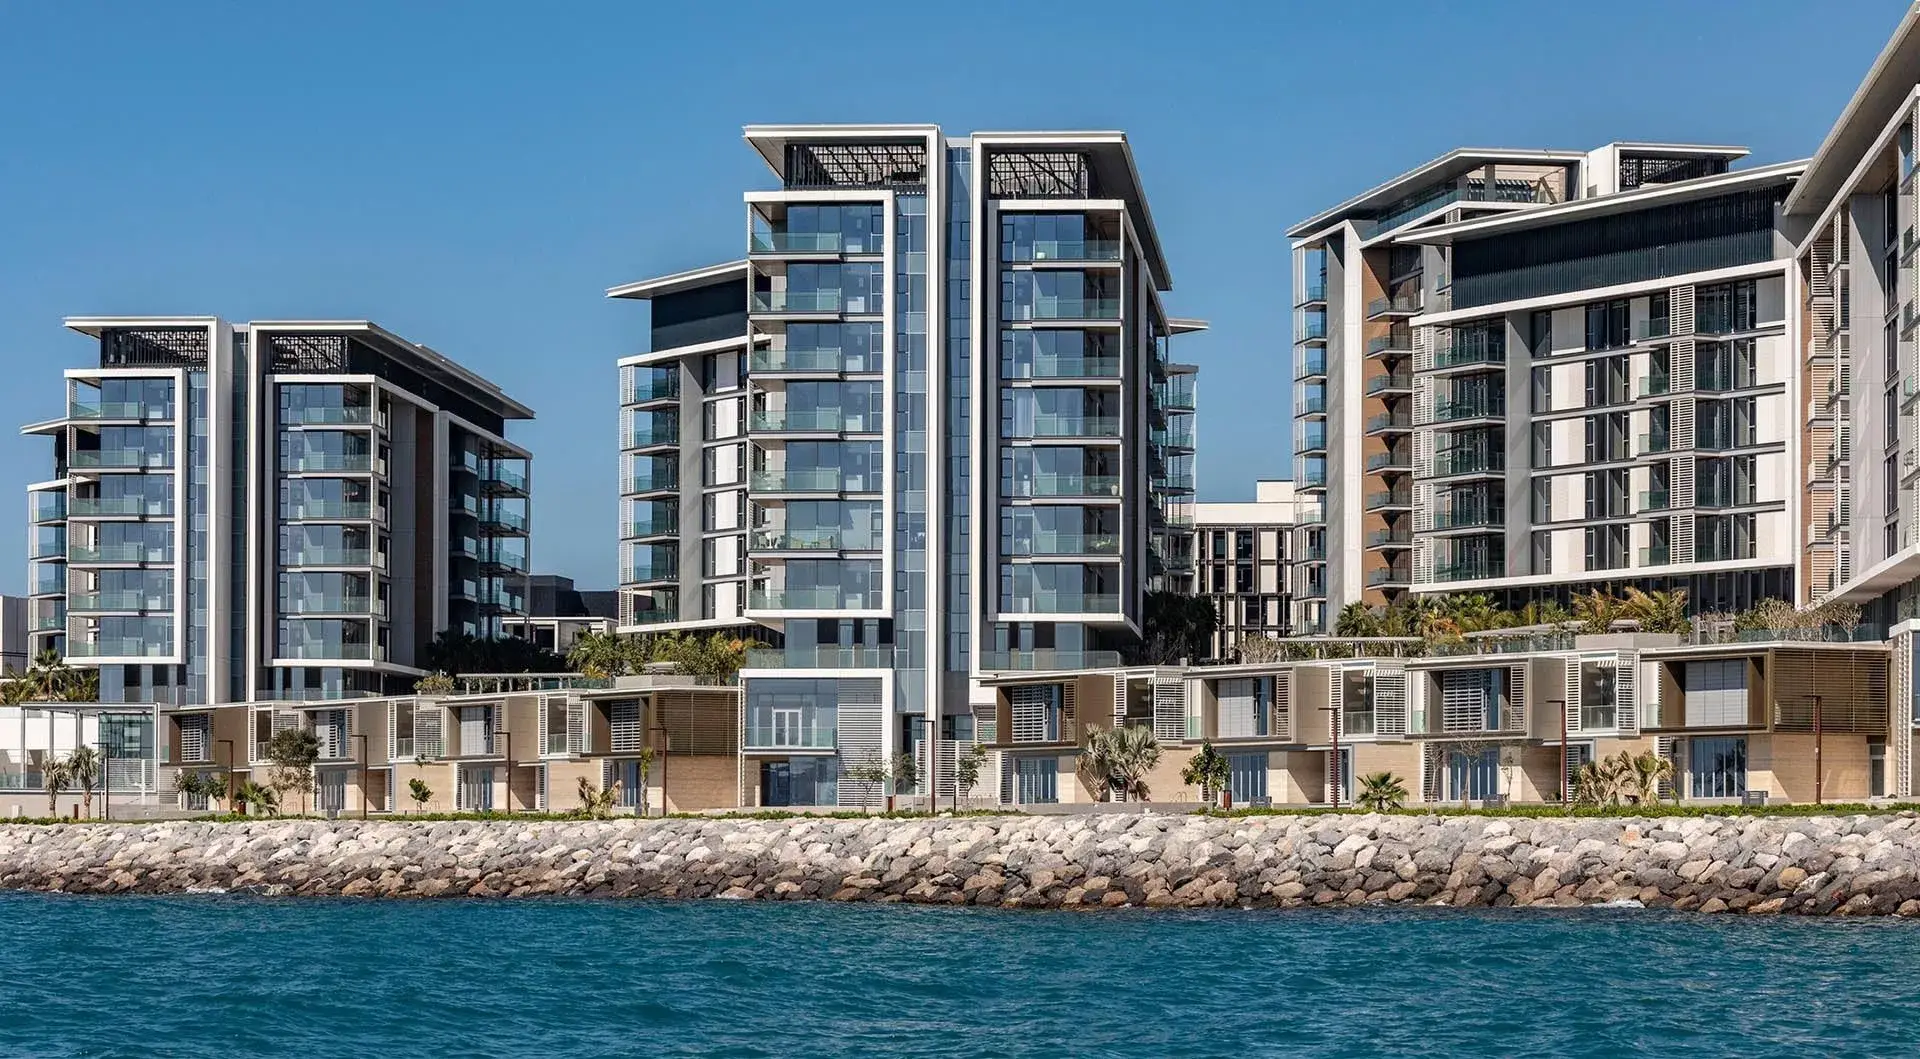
<point x="1849" y="865"/>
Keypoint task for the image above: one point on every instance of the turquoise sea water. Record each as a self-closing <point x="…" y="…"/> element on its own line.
<point x="233" y="976"/>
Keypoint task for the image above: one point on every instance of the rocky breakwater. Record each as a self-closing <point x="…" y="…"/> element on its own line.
<point x="1813" y="865"/>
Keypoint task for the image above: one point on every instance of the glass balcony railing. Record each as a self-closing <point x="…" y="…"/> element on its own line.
<point x="1067" y="603"/>
<point x="354" y="651"/>
<point x="1310" y="405"/>
<point x="116" y="601"/>
<point x="659" y="482"/>
<point x="641" y="437"/>
<point x="1654" y="443"/>
<point x="118" y="410"/>
<point x="1311" y="442"/>
<point x="1468" y="518"/>
<point x="352" y="510"/>
<point x="1045" y="426"/>
<point x="1382" y="461"/>
<point x="1399" y="338"/>
<point x="1041" y="308"/>
<point x="1315" y="290"/>
<point x="1069" y="544"/>
<point x="1176" y="482"/>
<point x="818" y="540"/>
<point x="120" y="647"/>
<point x="49" y="622"/>
<point x="1390" y="498"/>
<point x="322" y="604"/>
<point x="836" y="360"/>
<point x="1389" y="421"/>
<point x="47" y="506"/>
<point x="785" y="737"/>
<point x="1469" y="570"/>
<point x="321" y="415"/>
<point x="114" y="458"/>
<point x="1390" y="382"/>
<point x="1064" y="250"/>
<point x="830" y="656"/>
<point x="1468" y="461"/>
<point x="1310" y="329"/>
<point x="1655" y="500"/>
<point x="814" y="420"/>
<point x="813" y="480"/>
<point x="500" y="519"/>
<point x="1655" y="385"/>
<point x="1172" y="438"/>
<point x="1069" y="367"/>
<point x="118" y="553"/>
<point x="651" y="388"/>
<point x="506" y="477"/>
<point x="1047" y="660"/>
<point x="1453" y="411"/>
<point x="1388" y="575"/>
<point x="1405" y="304"/>
<point x="814" y="301"/>
<point x="1466" y="353"/>
<point x="1650" y="329"/>
<point x="310" y="462"/>
<point x="1313" y="477"/>
<point x="778" y="242"/>
<point x="1385" y="537"/>
<point x="1310" y="363"/>
<point x="1097" y="485"/>
<point x="328" y="557"/>
<point x="1655" y="555"/>
<point x="810" y="599"/>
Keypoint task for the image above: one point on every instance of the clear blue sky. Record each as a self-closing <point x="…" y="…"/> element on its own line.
<point x="474" y="175"/>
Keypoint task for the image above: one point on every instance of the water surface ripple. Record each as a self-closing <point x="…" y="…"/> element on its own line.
<point x="222" y="975"/>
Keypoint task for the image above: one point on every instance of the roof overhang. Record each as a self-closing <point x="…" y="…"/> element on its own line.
<point x="1454" y="163"/>
<point x="424" y="359"/>
<point x="95" y="326"/>
<point x="1185" y="325"/>
<point x="1112" y="158"/>
<point x="770" y="141"/>
<point x="1608" y="205"/>
<point x="648" y="289"/>
<point x="1888" y="84"/>
<point x="1884" y="576"/>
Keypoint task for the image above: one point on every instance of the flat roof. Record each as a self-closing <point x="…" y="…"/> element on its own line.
<point x="1889" y="81"/>
<point x="648" y="289"/>
<point x="1452" y="164"/>
<point x="1605" y="205"/>
<point x="425" y="359"/>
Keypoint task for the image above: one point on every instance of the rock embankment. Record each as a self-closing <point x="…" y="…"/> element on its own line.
<point x="1813" y="865"/>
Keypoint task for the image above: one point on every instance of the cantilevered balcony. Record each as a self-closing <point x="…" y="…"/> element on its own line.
<point x="1466" y="409"/>
<point x="1310" y="363"/>
<point x="1469" y="569"/>
<point x="1392" y="499"/>
<point x="1455" y="463"/>
<point x="89" y="507"/>
<point x="1398" y="339"/>
<point x="1390" y="575"/>
<point x="120" y="459"/>
<point x="1059" y="486"/>
<point x="1390" y="539"/>
<point x="1399" y="305"/>
<point x="1389" y="462"/>
<point x="1390" y="383"/>
<point x="1075" y="426"/>
<point x="1389" y="423"/>
<point x="813" y="421"/>
<point x="812" y="480"/>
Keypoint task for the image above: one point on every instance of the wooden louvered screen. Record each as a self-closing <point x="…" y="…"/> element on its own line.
<point x="1283" y="704"/>
<point x="700" y="720"/>
<point x="1852" y="686"/>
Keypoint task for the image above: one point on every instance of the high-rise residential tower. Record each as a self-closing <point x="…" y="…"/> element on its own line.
<point x="274" y="510"/>
<point x="1532" y="373"/>
<point x="930" y="427"/>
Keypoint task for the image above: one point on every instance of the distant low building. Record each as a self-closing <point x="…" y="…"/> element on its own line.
<point x="558" y="614"/>
<point x="1242" y="555"/>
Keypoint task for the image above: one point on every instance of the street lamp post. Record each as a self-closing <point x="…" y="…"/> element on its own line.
<point x="1333" y="725"/>
<point x="665" y="741"/>
<point x="507" y="800"/>
<point x="1566" y="784"/>
<point x="362" y="736"/>
<point x="228" y="743"/>
<point x="1817" y="763"/>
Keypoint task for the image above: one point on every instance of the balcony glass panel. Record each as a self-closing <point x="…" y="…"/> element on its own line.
<point x="121" y="398"/>
<point x="653" y="428"/>
<point x="1059" y="295"/>
<point x="823" y="228"/>
<point x="648" y="562"/>
<point x="1028" y="237"/>
<point x="1060" y="588"/>
<point x="825" y="466"/>
<point x="825" y="525"/>
<point x="641" y="383"/>
<point x="848" y="287"/>
<point x="48" y="505"/>
<point x="822" y="584"/>
<point x="1059" y="354"/>
<point x="845" y="347"/>
<point x="323" y="638"/>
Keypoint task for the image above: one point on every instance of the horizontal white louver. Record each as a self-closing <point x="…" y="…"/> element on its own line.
<point x="1170" y="710"/>
<point x="1389" y="701"/>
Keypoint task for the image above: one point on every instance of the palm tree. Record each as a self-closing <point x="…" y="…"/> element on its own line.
<point x="1657" y="611"/>
<point x="1096" y="763"/>
<point x="1135" y="752"/>
<point x="598" y="655"/>
<point x="1380" y="792"/>
<point x="83" y="769"/>
<point x="54" y="775"/>
<point x="1358" y="620"/>
<point x="1596" y="611"/>
<point x="47" y="677"/>
<point x="1602" y="782"/>
<point x="1648" y="770"/>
